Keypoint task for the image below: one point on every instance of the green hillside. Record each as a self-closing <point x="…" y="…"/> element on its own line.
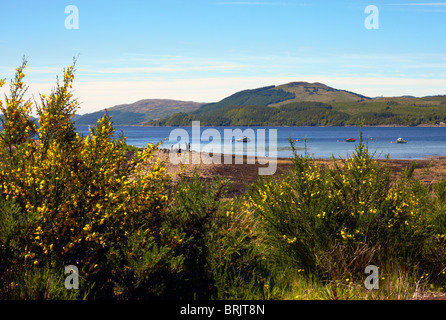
<point x="274" y="96"/>
<point x="259" y="97"/>
<point x="317" y="92"/>
<point x="118" y="117"/>
<point x="312" y="105"/>
<point x="294" y="114"/>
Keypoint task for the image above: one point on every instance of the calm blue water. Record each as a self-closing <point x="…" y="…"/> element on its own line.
<point x="322" y="142"/>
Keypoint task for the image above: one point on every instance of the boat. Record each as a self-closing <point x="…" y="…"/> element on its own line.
<point x="244" y="139"/>
<point x="401" y="140"/>
<point x="350" y="139"/>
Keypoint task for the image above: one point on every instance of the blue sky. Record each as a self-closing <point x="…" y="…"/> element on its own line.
<point x="205" y="50"/>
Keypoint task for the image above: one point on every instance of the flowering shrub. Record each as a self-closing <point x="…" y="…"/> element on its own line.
<point x="71" y="199"/>
<point x="333" y="222"/>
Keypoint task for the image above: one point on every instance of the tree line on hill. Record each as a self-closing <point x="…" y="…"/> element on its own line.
<point x="310" y="114"/>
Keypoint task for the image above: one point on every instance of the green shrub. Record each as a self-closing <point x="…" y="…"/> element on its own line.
<point x="218" y="240"/>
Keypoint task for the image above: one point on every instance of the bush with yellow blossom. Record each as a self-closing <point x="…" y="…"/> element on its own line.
<point x="334" y="221"/>
<point x="72" y="200"/>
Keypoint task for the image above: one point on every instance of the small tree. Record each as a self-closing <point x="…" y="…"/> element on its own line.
<point x="16" y="121"/>
<point x="57" y="111"/>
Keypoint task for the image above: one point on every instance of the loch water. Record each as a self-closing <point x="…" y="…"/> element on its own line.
<point x="321" y="142"/>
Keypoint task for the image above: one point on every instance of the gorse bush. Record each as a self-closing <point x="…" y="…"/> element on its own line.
<point x="332" y="222"/>
<point x="73" y="200"/>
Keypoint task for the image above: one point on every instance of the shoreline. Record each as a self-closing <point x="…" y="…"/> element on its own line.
<point x="422" y="158"/>
<point x="247" y="172"/>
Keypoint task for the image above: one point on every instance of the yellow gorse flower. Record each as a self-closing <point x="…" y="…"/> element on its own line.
<point x="83" y="192"/>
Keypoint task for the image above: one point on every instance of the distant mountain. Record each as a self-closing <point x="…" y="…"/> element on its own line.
<point x="274" y="96"/>
<point x="140" y="112"/>
<point x="291" y="104"/>
<point x="312" y="104"/>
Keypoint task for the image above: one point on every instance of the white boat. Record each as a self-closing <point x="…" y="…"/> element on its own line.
<point x="244" y="139"/>
<point x="401" y="140"/>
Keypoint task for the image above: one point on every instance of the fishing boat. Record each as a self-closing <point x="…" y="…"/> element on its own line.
<point x="350" y="139"/>
<point x="401" y="140"/>
<point x="244" y="139"/>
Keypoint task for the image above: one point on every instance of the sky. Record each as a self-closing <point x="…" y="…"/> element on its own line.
<point x="206" y="50"/>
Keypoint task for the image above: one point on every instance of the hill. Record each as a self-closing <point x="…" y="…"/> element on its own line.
<point x="274" y="96"/>
<point x="141" y="111"/>
<point x="259" y="97"/>
<point x="312" y="104"/>
<point x="318" y="92"/>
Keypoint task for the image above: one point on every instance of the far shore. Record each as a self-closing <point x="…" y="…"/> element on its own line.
<point x="347" y="126"/>
<point x="426" y="125"/>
